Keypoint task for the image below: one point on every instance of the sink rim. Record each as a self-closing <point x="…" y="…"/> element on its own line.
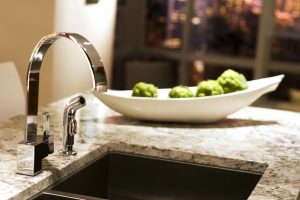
<point x="52" y="191"/>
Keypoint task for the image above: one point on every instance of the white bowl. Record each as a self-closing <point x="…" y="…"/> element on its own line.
<point x="198" y="109"/>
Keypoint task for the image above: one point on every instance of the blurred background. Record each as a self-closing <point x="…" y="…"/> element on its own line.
<point x="166" y="42"/>
<point x="170" y="42"/>
<point x="65" y="69"/>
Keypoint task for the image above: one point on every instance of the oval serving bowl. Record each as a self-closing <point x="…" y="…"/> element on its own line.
<point x="197" y="109"/>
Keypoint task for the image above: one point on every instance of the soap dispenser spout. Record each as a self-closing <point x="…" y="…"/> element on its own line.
<point x="70" y="125"/>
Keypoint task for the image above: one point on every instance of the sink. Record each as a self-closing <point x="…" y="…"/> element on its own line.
<point x="119" y="176"/>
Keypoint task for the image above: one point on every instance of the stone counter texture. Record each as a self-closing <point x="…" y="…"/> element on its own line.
<point x="253" y="139"/>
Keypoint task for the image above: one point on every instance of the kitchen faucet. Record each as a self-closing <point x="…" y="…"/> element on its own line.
<point x="35" y="147"/>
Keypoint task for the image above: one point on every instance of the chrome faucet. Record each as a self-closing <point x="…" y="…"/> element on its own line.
<point x="35" y="147"/>
<point x="70" y="125"/>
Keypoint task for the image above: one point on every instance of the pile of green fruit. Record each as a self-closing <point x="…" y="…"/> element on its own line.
<point x="229" y="81"/>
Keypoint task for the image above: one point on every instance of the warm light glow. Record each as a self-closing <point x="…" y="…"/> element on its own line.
<point x="196" y="20"/>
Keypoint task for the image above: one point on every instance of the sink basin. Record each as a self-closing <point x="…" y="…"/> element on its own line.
<point x="130" y="177"/>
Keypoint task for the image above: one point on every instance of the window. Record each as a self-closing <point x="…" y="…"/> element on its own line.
<point x="164" y="23"/>
<point x="225" y="27"/>
<point x="286" y="41"/>
<point x="203" y="36"/>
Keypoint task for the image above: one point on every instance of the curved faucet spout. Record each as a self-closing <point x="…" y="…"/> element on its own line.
<point x="33" y="74"/>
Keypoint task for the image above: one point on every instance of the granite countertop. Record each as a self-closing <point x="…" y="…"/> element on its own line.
<point x="254" y="139"/>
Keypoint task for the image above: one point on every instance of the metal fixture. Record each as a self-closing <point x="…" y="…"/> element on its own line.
<point x="30" y="154"/>
<point x="70" y="125"/>
<point x="34" y="148"/>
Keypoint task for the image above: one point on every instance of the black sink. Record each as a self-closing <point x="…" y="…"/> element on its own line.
<point x="119" y="176"/>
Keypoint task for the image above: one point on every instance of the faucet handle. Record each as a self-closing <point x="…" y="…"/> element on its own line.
<point x="46" y="124"/>
<point x="72" y="126"/>
<point x="46" y="133"/>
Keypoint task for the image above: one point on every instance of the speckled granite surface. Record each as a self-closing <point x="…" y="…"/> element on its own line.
<point x="254" y="139"/>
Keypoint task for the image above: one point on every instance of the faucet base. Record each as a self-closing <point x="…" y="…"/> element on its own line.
<point x="30" y="155"/>
<point x="68" y="150"/>
<point x="67" y="153"/>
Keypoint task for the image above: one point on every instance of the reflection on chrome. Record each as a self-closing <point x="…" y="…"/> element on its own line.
<point x="35" y="147"/>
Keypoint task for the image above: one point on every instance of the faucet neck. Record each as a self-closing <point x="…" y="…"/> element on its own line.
<point x="33" y="75"/>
